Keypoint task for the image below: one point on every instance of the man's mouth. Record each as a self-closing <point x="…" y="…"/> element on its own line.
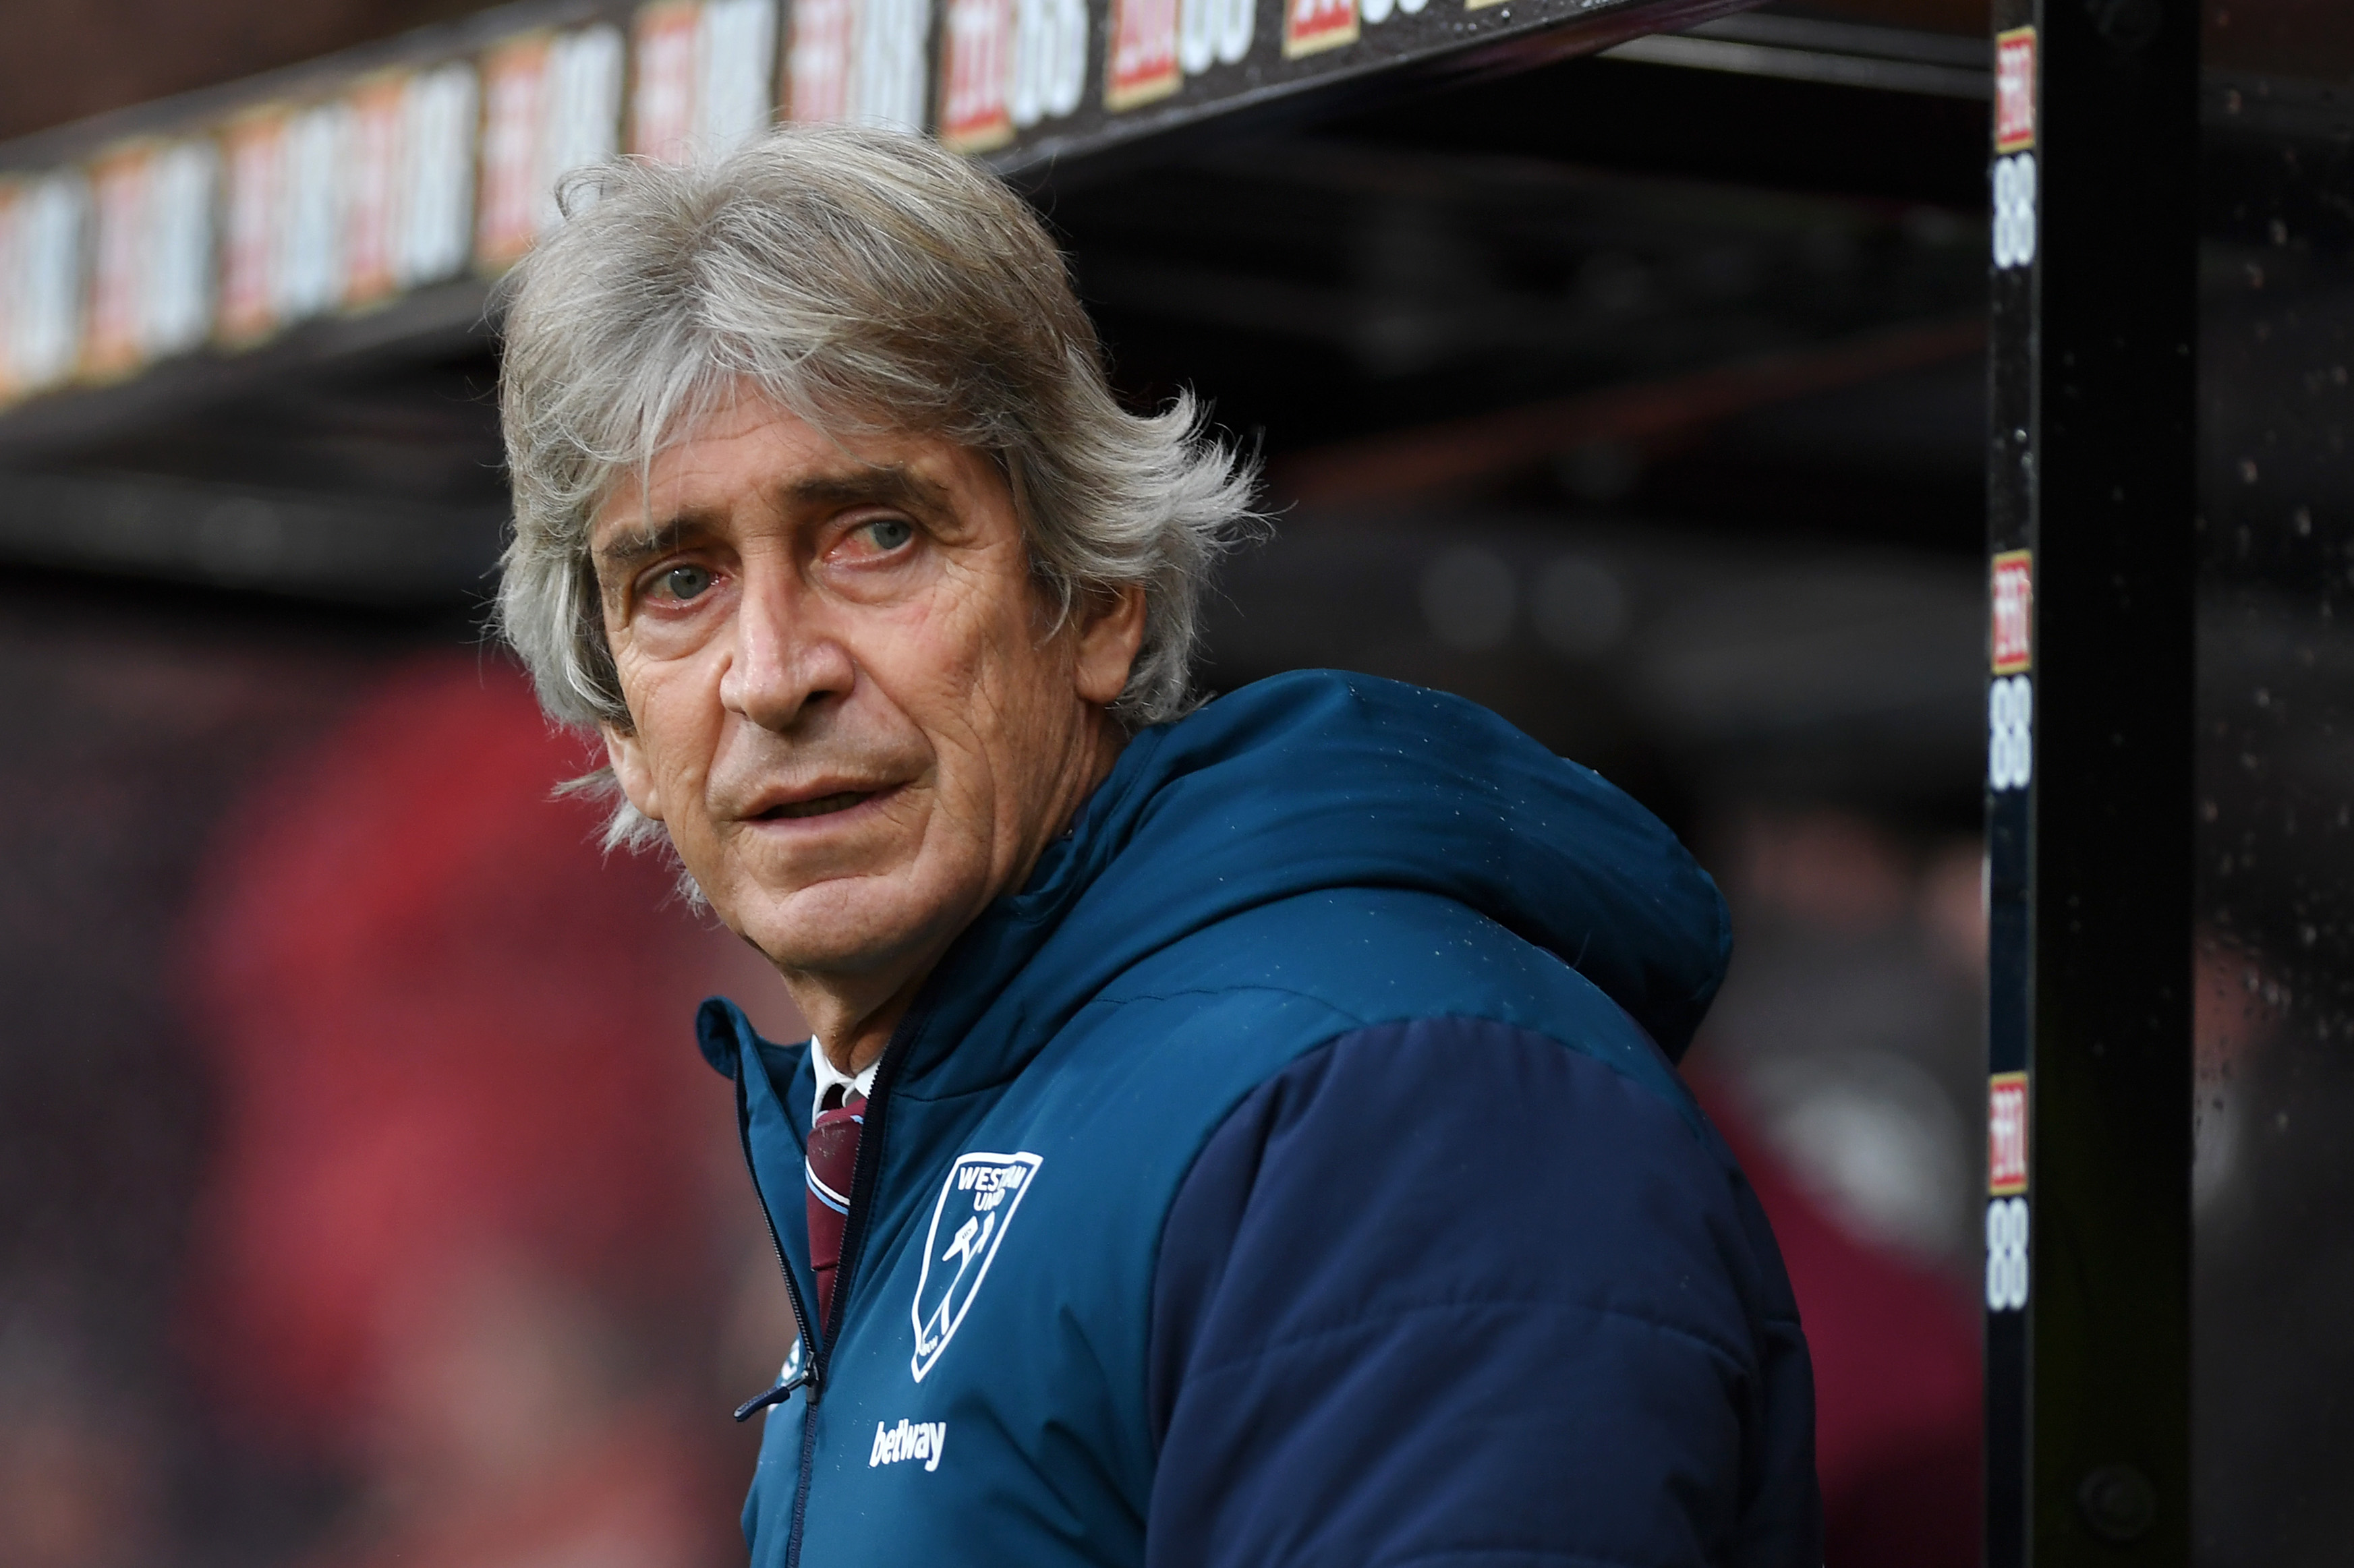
<point x="823" y="806"/>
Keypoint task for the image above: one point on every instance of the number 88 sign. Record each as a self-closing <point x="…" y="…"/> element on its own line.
<point x="2010" y="733"/>
<point x="2006" y="1267"/>
<point x="2014" y="210"/>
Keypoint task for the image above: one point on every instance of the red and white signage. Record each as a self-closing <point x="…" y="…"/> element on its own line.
<point x="2007" y="1134"/>
<point x="662" y="110"/>
<point x="256" y="155"/>
<point x="818" y="58"/>
<point x="703" y="70"/>
<point x="515" y="111"/>
<point x="379" y="109"/>
<point x="113" y="342"/>
<point x="151" y="261"/>
<point x="283" y="211"/>
<point x="550" y="105"/>
<point x="2014" y="90"/>
<point x="2013" y="641"/>
<point x="1005" y="65"/>
<point x="1313" y="25"/>
<point x="1141" y="63"/>
<point x="151" y="266"/>
<point x="977" y="75"/>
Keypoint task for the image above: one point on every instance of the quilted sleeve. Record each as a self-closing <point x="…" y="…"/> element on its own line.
<point x="1453" y="1292"/>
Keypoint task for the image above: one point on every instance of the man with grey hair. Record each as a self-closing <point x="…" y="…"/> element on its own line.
<point x="1235" y="1133"/>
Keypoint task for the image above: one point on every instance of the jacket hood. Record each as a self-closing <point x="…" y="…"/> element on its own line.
<point x="1314" y="780"/>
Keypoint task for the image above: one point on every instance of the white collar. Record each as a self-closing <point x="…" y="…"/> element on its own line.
<point x="828" y="1075"/>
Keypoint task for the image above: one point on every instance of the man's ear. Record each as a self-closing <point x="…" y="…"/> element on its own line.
<point x="628" y="757"/>
<point x="1108" y="639"/>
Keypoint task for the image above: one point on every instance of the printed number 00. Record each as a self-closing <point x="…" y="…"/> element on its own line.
<point x="2014" y="210"/>
<point x="2006" y="1269"/>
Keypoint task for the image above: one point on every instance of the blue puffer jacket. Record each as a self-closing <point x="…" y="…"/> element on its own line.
<point x="1293" y="1173"/>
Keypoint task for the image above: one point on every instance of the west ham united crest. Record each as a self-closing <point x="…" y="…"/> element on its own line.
<point x="976" y="1208"/>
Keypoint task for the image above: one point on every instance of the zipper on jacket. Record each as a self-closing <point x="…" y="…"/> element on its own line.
<point x="809" y="1374"/>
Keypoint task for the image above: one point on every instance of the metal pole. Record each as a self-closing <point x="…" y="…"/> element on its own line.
<point x="2089" y="803"/>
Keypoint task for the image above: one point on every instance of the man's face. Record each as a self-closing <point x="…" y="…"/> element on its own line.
<point x="847" y="709"/>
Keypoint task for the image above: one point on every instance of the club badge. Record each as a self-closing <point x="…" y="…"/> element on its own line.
<point x="976" y="1208"/>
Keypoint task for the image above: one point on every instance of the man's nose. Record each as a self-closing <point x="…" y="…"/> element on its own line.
<point x="787" y="658"/>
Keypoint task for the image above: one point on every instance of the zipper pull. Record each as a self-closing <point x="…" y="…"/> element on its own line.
<point x="777" y="1395"/>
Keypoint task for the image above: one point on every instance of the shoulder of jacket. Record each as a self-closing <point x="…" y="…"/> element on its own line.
<point x="1321" y="966"/>
<point x="1372" y="954"/>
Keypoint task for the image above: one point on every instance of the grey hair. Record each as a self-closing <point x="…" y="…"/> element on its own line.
<point x="864" y="280"/>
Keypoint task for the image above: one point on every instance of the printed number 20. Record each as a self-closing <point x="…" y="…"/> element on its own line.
<point x="2006" y="1274"/>
<point x="2014" y="210"/>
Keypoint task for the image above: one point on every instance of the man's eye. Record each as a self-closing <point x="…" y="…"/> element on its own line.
<point x="679" y="584"/>
<point x="887" y="533"/>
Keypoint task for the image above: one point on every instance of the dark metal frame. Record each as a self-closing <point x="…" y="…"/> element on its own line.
<point x="2088" y="1449"/>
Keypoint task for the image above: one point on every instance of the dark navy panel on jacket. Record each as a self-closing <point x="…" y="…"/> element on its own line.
<point x="1380" y="1334"/>
<point x="1288" y="1174"/>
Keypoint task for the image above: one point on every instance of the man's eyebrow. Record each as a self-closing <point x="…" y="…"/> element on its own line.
<point x="635" y="545"/>
<point x="886" y="484"/>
